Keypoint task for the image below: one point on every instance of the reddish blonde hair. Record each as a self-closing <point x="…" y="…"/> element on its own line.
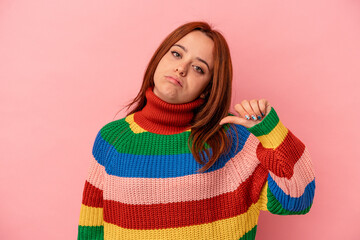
<point x="205" y="129"/>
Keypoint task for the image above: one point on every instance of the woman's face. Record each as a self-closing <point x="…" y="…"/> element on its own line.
<point x="190" y="60"/>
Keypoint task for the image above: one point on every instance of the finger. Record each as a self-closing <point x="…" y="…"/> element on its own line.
<point x="233" y="119"/>
<point x="250" y="112"/>
<point x="255" y="107"/>
<point x="265" y="106"/>
<point x="240" y="110"/>
<point x="262" y="106"/>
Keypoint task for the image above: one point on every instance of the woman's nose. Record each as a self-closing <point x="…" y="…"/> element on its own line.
<point x="181" y="68"/>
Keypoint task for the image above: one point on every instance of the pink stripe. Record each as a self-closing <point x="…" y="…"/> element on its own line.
<point x="303" y="175"/>
<point x="181" y="189"/>
<point x="246" y="160"/>
<point x="96" y="174"/>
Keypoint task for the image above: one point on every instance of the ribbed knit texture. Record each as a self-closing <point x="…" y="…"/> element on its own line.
<point x="142" y="181"/>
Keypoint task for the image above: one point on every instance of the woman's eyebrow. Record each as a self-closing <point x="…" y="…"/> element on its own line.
<point x="201" y="60"/>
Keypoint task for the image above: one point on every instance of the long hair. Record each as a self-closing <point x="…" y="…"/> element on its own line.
<point x="206" y="133"/>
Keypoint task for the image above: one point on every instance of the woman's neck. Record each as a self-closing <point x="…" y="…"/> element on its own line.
<point x="166" y="118"/>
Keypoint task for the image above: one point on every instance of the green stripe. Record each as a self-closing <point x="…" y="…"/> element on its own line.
<point x="266" y="125"/>
<point x="250" y="234"/>
<point x="125" y="140"/>
<point x="90" y="232"/>
<point x="97" y="233"/>
<point x="119" y="134"/>
<point x="275" y="207"/>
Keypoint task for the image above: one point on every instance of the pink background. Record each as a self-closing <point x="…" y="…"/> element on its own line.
<point x="67" y="67"/>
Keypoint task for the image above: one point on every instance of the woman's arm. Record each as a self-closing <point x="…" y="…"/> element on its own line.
<point x="91" y="224"/>
<point x="290" y="185"/>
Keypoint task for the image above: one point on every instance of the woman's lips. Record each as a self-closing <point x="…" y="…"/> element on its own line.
<point x="173" y="80"/>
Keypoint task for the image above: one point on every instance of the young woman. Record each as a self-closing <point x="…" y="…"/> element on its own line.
<point x="181" y="166"/>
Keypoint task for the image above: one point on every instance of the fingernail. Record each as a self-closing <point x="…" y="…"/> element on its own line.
<point x="259" y="117"/>
<point x="253" y="117"/>
<point x="247" y="117"/>
<point x="262" y="114"/>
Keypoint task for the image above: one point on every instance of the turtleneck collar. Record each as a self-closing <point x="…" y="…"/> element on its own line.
<point x="166" y="118"/>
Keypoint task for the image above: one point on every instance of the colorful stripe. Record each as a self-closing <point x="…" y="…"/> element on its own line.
<point x="93" y="233"/>
<point x="302" y="176"/>
<point x="143" y="185"/>
<point x="155" y="215"/>
<point x="290" y="185"/>
<point x="241" y="226"/>
<point x="161" y="160"/>
<point x="91" y="220"/>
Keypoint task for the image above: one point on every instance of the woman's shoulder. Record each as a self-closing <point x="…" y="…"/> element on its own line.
<point x="112" y="128"/>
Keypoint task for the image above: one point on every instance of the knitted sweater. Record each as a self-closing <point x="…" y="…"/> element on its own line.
<point x="142" y="181"/>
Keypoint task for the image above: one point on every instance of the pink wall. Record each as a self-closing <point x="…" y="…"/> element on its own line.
<point x="67" y="67"/>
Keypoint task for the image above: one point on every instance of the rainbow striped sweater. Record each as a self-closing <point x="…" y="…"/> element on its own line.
<point x="142" y="181"/>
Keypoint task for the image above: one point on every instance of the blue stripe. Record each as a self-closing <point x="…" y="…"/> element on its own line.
<point x="291" y="203"/>
<point x="159" y="166"/>
<point x="100" y="148"/>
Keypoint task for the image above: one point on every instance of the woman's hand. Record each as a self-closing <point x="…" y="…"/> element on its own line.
<point x="247" y="110"/>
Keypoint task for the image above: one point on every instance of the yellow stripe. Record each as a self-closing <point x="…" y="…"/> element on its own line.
<point x="275" y="137"/>
<point x="135" y="127"/>
<point x="262" y="203"/>
<point x="230" y="228"/>
<point x="91" y="216"/>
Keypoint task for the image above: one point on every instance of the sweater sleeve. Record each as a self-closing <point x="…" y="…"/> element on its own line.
<point x="91" y="224"/>
<point x="290" y="185"/>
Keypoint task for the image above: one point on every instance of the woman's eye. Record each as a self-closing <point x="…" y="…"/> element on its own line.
<point x="175" y="52"/>
<point x="201" y="71"/>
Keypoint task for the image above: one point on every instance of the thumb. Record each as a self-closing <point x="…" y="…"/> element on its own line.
<point x="233" y="119"/>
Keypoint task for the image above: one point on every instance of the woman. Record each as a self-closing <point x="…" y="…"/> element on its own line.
<point x="180" y="166"/>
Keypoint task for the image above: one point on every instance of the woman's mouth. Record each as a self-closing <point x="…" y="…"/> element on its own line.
<point x="174" y="81"/>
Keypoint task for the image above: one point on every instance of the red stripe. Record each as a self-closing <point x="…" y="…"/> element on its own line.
<point x="92" y="196"/>
<point x="167" y="215"/>
<point x="281" y="161"/>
